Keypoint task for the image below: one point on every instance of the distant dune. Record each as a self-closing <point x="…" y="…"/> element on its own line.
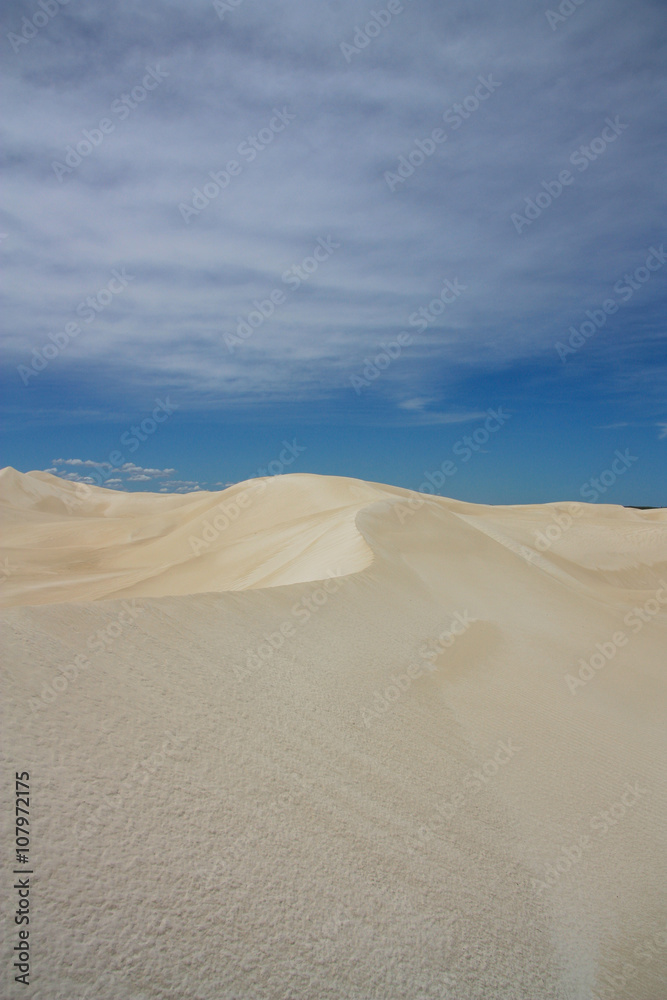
<point x="314" y="737"/>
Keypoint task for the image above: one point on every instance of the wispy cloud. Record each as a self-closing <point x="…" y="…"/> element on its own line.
<point x="323" y="177"/>
<point x="419" y="413"/>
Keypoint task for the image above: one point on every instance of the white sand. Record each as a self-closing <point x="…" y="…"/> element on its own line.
<point x="253" y="785"/>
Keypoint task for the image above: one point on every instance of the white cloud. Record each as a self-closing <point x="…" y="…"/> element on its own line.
<point x="421" y="418"/>
<point x="75" y="477"/>
<point x="450" y="220"/>
<point x="415" y="404"/>
<point x="147" y="473"/>
<point x="81" y="461"/>
<point x="127" y="473"/>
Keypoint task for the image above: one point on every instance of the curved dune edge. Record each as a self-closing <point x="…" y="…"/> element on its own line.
<point x="69" y="544"/>
<point x="103" y="544"/>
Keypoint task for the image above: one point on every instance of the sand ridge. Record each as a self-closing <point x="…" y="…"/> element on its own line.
<point x="90" y="543"/>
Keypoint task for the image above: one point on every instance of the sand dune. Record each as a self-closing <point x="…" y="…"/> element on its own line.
<point x="110" y="544"/>
<point x="314" y="737"/>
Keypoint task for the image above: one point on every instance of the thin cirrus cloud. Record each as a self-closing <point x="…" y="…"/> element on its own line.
<point x="323" y="177"/>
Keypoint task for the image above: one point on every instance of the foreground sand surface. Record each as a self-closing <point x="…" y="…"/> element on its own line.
<point x="318" y="738"/>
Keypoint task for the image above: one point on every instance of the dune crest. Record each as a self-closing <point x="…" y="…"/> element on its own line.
<point x="68" y="543"/>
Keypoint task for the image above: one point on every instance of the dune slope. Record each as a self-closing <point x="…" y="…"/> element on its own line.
<point x="314" y="737"/>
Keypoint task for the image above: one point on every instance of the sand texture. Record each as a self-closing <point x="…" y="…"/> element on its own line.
<point x="324" y="739"/>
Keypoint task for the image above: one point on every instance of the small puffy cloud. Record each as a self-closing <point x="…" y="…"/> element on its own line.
<point x="130" y="467"/>
<point x="81" y="461"/>
<point x="183" y="486"/>
<point x="129" y="472"/>
<point x="76" y="478"/>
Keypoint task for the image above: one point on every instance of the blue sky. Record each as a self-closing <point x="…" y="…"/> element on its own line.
<point x="355" y="234"/>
